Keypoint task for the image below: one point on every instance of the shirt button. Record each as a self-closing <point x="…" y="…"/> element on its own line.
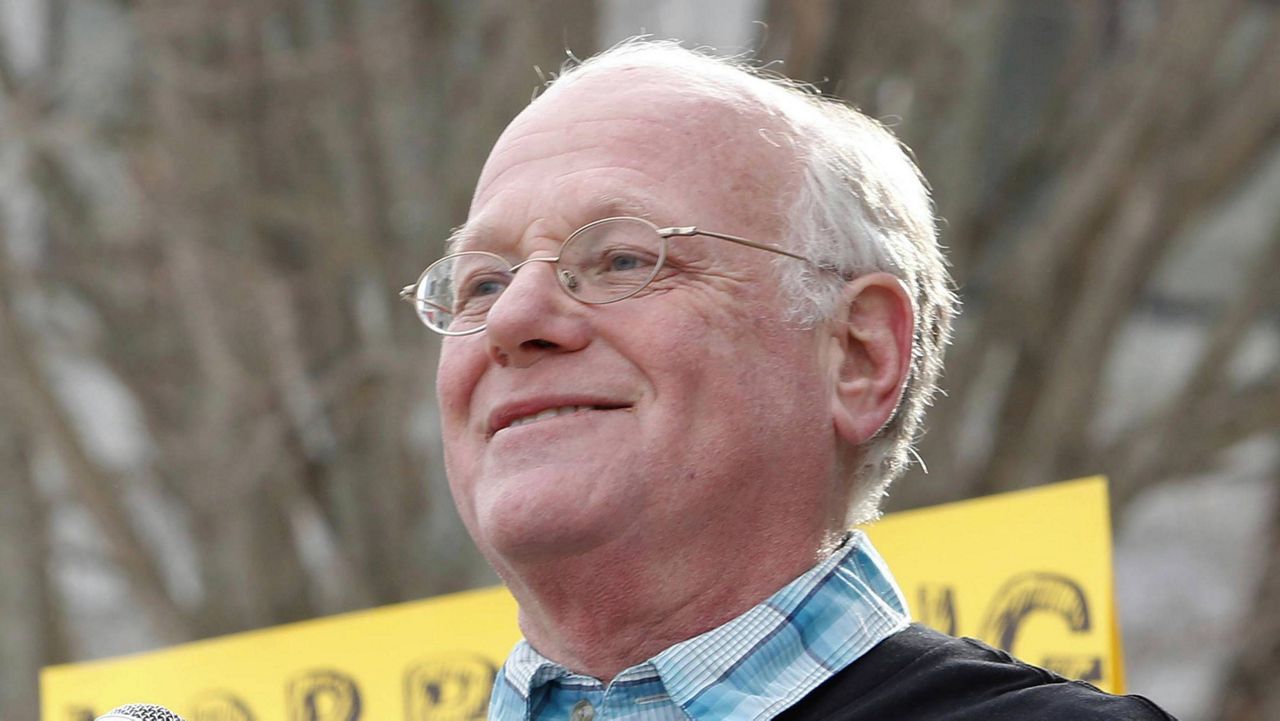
<point x="582" y="711"/>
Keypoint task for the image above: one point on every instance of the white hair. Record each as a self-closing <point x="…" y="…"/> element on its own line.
<point x="862" y="206"/>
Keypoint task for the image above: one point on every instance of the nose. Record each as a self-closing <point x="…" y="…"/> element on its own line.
<point x="534" y="318"/>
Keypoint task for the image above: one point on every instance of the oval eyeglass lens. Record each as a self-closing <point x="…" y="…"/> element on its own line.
<point x="610" y="259"/>
<point x="456" y="293"/>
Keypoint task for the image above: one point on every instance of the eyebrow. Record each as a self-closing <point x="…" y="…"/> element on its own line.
<point x="602" y="206"/>
<point x="458" y="236"/>
<point x="613" y="205"/>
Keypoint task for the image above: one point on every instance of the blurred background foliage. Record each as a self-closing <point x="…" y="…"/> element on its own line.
<point x="214" y="416"/>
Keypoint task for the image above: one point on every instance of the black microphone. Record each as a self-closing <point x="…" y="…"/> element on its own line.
<point x="140" y="712"/>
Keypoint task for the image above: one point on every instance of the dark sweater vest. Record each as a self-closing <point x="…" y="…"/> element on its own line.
<point x="921" y="674"/>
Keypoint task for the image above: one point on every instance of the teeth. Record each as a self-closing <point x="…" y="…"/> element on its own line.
<point x="548" y="413"/>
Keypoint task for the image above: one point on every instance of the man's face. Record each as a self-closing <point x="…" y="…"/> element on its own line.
<point x="691" y="415"/>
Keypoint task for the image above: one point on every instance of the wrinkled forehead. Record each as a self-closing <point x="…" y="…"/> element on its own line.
<point x="662" y="128"/>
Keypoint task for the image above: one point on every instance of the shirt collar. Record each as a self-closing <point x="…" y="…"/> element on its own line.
<point x="760" y="663"/>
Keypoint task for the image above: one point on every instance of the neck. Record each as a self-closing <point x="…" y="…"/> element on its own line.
<point x="602" y="612"/>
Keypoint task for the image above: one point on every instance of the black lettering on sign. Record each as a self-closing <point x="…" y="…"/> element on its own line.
<point x="219" y="706"/>
<point x="936" y="607"/>
<point x="449" y="688"/>
<point x="1034" y="592"/>
<point x="323" y="695"/>
<point x="80" y="713"/>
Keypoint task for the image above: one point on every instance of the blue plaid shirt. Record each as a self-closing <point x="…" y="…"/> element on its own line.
<point x="753" y="667"/>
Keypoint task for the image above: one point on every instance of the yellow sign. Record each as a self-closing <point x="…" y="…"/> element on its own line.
<point x="1029" y="572"/>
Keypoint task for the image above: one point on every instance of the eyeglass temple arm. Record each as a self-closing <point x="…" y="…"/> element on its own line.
<point x="406" y="294"/>
<point x="690" y="230"/>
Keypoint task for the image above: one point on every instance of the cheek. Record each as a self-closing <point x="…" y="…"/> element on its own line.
<point x="741" y="357"/>
<point x="461" y="365"/>
<point x="460" y="368"/>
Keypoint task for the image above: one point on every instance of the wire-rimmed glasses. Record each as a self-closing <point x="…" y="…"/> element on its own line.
<point x="604" y="261"/>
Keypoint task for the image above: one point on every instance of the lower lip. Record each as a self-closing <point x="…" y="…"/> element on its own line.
<point x="593" y="414"/>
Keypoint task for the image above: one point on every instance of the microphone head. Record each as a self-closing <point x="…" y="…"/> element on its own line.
<point x="140" y="712"/>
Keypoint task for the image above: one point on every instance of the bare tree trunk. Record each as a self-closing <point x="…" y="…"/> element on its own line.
<point x="31" y="633"/>
<point x="1251" y="692"/>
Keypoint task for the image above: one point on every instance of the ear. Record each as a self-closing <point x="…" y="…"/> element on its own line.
<point x="871" y="355"/>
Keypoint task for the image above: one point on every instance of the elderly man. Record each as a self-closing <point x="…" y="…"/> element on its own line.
<point x="693" y="320"/>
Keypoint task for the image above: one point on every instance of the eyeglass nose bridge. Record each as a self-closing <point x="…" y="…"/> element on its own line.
<point x="566" y="277"/>
<point x="539" y="259"/>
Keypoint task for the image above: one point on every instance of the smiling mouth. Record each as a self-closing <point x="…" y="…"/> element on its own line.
<point x="555" y="413"/>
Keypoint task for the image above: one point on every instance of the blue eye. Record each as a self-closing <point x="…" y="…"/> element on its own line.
<point x="624" y="262"/>
<point x="475" y="295"/>
<point x="625" y="259"/>
<point x="487" y="287"/>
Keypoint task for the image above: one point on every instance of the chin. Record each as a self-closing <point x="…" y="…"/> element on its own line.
<point x="525" y="530"/>
<point x="541" y="542"/>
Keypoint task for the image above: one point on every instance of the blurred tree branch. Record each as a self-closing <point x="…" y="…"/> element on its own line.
<point x="1166" y="444"/>
<point x="31" y="390"/>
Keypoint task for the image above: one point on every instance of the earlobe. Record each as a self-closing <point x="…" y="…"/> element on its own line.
<point x="871" y="345"/>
